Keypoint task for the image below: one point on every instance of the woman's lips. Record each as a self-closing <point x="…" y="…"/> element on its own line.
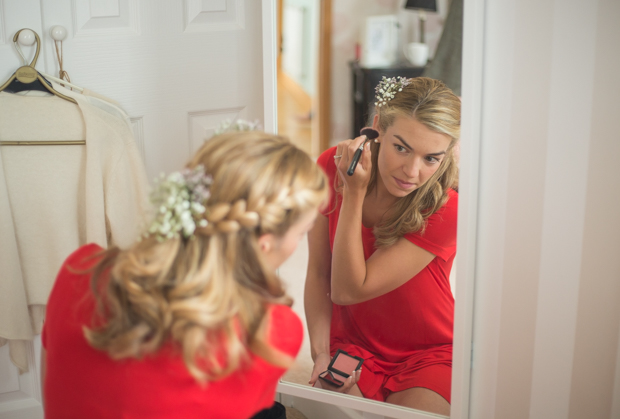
<point x="402" y="184"/>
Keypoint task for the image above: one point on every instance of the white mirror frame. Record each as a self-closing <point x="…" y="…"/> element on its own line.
<point x="473" y="53"/>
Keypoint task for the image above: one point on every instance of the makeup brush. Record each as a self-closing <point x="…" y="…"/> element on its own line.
<point x="370" y="134"/>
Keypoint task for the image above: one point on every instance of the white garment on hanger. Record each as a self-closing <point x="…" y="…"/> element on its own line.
<point x="110" y="106"/>
<point x="60" y="197"/>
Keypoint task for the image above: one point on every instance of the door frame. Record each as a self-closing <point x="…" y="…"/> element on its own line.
<point x="473" y="55"/>
<point x="272" y="28"/>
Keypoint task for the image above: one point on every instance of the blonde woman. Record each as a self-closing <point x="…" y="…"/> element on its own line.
<point x="191" y="321"/>
<point x="380" y="255"/>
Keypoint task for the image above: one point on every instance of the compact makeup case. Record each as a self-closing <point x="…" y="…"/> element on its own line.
<point x="340" y="368"/>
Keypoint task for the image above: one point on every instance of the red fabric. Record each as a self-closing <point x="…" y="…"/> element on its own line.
<point x="82" y="382"/>
<point x="410" y="328"/>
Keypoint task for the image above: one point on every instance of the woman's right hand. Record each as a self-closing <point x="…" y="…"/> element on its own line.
<point x="345" y="151"/>
<point x="321" y="363"/>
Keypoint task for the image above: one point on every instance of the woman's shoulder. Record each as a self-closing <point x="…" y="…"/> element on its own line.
<point x="84" y="256"/>
<point x="70" y="286"/>
<point x="453" y="194"/>
<point x="77" y="266"/>
<point x="285" y="328"/>
<point x="279" y="336"/>
<point x="81" y="260"/>
<point x="439" y="235"/>
<point x="452" y="203"/>
<point x="446" y="215"/>
<point x="325" y="158"/>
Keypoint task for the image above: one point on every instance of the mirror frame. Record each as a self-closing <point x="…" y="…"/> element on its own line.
<point x="472" y="64"/>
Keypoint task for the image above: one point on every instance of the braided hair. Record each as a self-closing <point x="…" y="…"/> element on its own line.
<point x="209" y="293"/>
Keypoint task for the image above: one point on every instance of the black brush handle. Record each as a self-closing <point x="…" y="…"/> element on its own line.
<point x="370" y="134"/>
<point x="356" y="159"/>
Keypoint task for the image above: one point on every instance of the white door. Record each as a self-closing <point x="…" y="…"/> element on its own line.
<point x="177" y="67"/>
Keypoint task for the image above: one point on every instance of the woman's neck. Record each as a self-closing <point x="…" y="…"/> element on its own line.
<point x="377" y="203"/>
<point x="382" y="196"/>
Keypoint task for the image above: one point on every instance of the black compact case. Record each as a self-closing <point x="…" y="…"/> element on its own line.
<point x="334" y="374"/>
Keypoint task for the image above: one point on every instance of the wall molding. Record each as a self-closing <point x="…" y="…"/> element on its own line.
<point x="121" y="20"/>
<point x="215" y="15"/>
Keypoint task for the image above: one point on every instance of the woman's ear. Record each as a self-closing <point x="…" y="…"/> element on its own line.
<point x="375" y="126"/>
<point x="265" y="242"/>
<point x="375" y="123"/>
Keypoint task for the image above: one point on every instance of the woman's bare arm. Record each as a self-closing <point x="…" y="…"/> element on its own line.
<point x="387" y="269"/>
<point x="317" y="300"/>
<point x="354" y="279"/>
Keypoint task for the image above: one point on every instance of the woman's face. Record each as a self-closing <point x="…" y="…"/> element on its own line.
<point x="277" y="249"/>
<point x="409" y="154"/>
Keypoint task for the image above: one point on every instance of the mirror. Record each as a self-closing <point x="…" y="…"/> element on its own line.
<point x="172" y="107"/>
<point x="301" y="26"/>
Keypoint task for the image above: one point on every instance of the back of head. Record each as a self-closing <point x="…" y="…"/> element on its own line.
<point x="208" y="290"/>
<point x="274" y="177"/>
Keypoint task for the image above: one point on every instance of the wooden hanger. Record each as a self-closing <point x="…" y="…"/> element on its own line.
<point x="28" y="78"/>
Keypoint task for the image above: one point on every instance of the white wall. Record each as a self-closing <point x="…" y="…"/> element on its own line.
<point x="547" y="299"/>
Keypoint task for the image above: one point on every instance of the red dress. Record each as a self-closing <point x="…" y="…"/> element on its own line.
<point x="82" y="382"/>
<point x="404" y="336"/>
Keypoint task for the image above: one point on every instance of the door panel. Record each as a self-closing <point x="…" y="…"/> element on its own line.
<point x="165" y="62"/>
<point x="179" y="68"/>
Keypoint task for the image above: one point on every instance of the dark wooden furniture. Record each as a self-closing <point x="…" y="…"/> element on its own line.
<point x="364" y="82"/>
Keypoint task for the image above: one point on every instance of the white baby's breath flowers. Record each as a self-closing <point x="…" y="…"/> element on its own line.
<point x="387" y="88"/>
<point x="180" y="199"/>
<point x="228" y="125"/>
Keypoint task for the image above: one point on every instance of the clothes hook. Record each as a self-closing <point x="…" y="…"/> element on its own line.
<point x="58" y="33"/>
<point x="28" y="38"/>
<point x="25" y="37"/>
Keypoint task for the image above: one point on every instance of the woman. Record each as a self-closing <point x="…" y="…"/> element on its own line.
<point x="191" y="321"/>
<point x="380" y="255"/>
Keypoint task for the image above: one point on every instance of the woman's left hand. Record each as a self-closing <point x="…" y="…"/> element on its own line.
<point x="346" y="150"/>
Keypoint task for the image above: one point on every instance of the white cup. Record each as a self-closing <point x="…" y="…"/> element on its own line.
<point x="417" y="53"/>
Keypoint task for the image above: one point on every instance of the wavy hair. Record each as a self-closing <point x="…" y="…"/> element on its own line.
<point x="207" y="294"/>
<point x="433" y="104"/>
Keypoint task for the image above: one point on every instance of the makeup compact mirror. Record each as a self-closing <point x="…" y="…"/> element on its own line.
<point x="326" y="95"/>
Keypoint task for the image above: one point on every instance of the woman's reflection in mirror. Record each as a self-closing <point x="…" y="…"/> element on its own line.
<point x="381" y="253"/>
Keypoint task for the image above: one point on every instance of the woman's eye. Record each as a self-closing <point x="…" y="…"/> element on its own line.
<point x="432" y="159"/>
<point x="400" y="148"/>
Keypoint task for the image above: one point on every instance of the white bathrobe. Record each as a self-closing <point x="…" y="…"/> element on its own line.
<point x="54" y="199"/>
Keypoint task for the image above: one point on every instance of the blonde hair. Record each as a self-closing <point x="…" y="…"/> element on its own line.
<point x="433" y="104"/>
<point x="207" y="294"/>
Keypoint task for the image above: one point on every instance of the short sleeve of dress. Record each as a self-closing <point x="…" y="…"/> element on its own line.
<point x="326" y="162"/>
<point x="285" y="330"/>
<point x="439" y="237"/>
<point x="80" y="260"/>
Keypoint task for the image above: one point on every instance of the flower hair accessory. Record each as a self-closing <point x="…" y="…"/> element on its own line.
<point x="238" y="125"/>
<point x="387" y="88"/>
<point x="180" y="201"/>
